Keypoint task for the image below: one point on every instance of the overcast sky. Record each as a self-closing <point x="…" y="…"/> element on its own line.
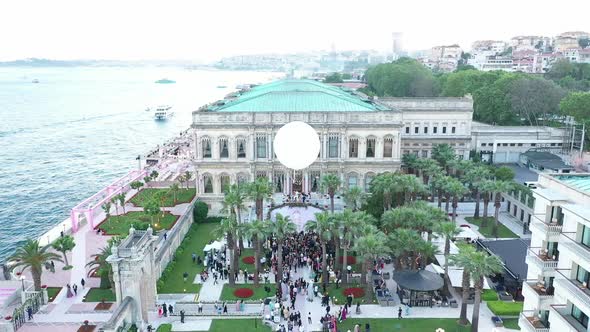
<point x="207" y="29"/>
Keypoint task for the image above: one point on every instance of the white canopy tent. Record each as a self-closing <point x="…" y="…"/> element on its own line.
<point x="215" y="245"/>
<point x="467" y="233"/>
<point x="435" y="268"/>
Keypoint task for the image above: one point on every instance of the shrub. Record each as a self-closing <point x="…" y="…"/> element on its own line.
<point x="213" y="219"/>
<point x="200" y="211"/>
<point x="501" y="308"/>
<point x="243" y="293"/>
<point x="248" y="260"/>
<point x="489" y="295"/>
<point x="355" y="291"/>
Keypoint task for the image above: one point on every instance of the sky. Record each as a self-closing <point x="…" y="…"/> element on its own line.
<point x="205" y="30"/>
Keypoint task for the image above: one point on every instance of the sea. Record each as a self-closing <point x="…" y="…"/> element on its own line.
<point x="80" y="128"/>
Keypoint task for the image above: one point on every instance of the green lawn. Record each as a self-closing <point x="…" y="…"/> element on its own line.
<point x="195" y="240"/>
<point x="97" y="294"/>
<point x="501" y="308"/>
<point x="227" y="293"/>
<point x="245" y="253"/>
<point x="144" y="195"/>
<point x="52" y="292"/>
<point x="119" y="225"/>
<point x="338" y="293"/>
<point x="405" y="324"/>
<point x="503" y="231"/>
<point x="224" y="325"/>
<point x="489" y="295"/>
<point x="511" y="323"/>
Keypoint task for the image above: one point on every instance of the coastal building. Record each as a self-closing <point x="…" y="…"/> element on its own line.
<point x="557" y="289"/>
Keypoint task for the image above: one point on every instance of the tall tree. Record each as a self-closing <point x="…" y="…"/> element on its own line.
<point x="383" y="185"/>
<point x="174" y="188"/>
<point x="98" y="265"/>
<point x="323" y="225"/>
<point x="463" y="260"/>
<point x="257" y="231"/>
<point x="258" y="191"/>
<point x="227" y="229"/>
<point x="350" y="223"/>
<point x="535" y="99"/>
<point x="233" y="204"/>
<point x="443" y="153"/>
<point x="369" y="246"/>
<point x="281" y="228"/>
<point x="64" y="244"/>
<point x="499" y="188"/>
<point x="106" y="207"/>
<point x="482" y="266"/>
<point x="187" y="177"/>
<point x="455" y="189"/>
<point x="121" y="198"/>
<point x="33" y="256"/>
<point x="475" y="176"/>
<point x="410" y="160"/>
<point x="487" y="188"/>
<point x="330" y="183"/>
<point x="447" y="230"/>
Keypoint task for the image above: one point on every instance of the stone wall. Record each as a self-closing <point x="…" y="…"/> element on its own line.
<point x="165" y="249"/>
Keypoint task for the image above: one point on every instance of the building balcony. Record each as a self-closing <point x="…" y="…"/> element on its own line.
<point x="574" y="249"/>
<point x="562" y="320"/>
<point x="539" y="257"/>
<point x="573" y="290"/>
<point x="528" y="321"/>
<point x="535" y="292"/>
<point x="547" y="231"/>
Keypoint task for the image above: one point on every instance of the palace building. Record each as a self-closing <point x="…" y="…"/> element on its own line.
<point x="360" y="137"/>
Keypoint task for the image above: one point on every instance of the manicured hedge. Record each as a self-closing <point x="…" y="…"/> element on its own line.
<point x="501" y="308"/>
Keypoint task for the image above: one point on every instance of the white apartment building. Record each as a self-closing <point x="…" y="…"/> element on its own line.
<point x="557" y="289"/>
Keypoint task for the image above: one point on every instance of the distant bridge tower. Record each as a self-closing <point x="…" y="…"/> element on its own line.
<point x="134" y="275"/>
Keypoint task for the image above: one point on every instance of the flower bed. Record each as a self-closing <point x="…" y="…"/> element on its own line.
<point x="243" y="293"/>
<point x="248" y="260"/>
<point x="351" y="260"/>
<point x="355" y="291"/>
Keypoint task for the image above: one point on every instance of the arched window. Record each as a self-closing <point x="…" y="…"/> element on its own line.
<point x="352" y="180"/>
<point x="261" y="147"/>
<point x="208" y="183"/>
<point x="333" y="147"/>
<point x="206" y="145"/>
<point x="368" y="178"/>
<point x="241" y="147"/>
<point x="388" y="147"/>
<point x="242" y="179"/>
<point x="370" y="147"/>
<point x="225" y="182"/>
<point x="353" y="147"/>
<point x="223" y="148"/>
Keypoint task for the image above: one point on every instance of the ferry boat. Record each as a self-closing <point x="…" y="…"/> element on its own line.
<point x="165" y="81"/>
<point x="163" y="112"/>
<point x="35" y="81"/>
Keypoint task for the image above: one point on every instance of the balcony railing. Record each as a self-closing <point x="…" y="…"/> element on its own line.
<point x="530" y="322"/>
<point x="541" y="258"/>
<point x="547" y="228"/>
<point x="542" y="291"/>
<point x="576" y="247"/>
<point x="561" y="311"/>
<point x="573" y="286"/>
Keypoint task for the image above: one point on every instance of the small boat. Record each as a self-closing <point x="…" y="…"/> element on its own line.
<point x="165" y="81"/>
<point x="35" y="81"/>
<point x="221" y="86"/>
<point x="163" y="112"/>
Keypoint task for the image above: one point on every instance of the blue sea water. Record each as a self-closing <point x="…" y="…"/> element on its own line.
<point x="80" y="128"/>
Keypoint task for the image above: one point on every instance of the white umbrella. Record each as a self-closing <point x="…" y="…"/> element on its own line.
<point x="435" y="268"/>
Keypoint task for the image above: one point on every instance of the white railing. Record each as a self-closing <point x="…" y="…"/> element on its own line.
<point x="529" y="321"/>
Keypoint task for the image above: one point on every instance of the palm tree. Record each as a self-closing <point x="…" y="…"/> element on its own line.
<point x="426" y="251"/>
<point x="106" y="207"/>
<point x="483" y="265"/>
<point x="349" y="226"/>
<point x="233" y="204"/>
<point x="475" y="177"/>
<point x="257" y="231"/>
<point x="410" y="162"/>
<point x="404" y="244"/>
<point x="322" y="226"/>
<point x="99" y="265"/>
<point x="463" y="260"/>
<point x="447" y="230"/>
<point x="115" y="202"/>
<point x="487" y="188"/>
<point x="438" y="183"/>
<point x="187" y="177"/>
<point x="121" y="199"/>
<point x="427" y="167"/>
<point x="64" y="244"/>
<point x="444" y="154"/>
<point x="258" y="191"/>
<point x="354" y="197"/>
<point x="383" y="184"/>
<point x="403" y="217"/>
<point x="281" y="228"/>
<point x="369" y="247"/>
<point x="455" y="189"/>
<point x="499" y="188"/>
<point x="409" y="185"/>
<point x="330" y="183"/>
<point x="228" y="228"/>
<point x="429" y="176"/>
<point x="32" y="255"/>
<point x="174" y="188"/>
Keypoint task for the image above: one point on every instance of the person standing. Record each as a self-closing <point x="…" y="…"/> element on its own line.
<point x="165" y="310"/>
<point x="170" y="309"/>
<point x="30" y="312"/>
<point x="399" y="313"/>
<point x="83" y="283"/>
<point x="309" y="318"/>
<point x="75" y="287"/>
<point x="182" y="316"/>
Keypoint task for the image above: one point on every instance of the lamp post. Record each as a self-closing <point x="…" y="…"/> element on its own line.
<point x="22" y="279"/>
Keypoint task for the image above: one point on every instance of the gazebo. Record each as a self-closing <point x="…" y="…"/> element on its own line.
<point x="420" y="283"/>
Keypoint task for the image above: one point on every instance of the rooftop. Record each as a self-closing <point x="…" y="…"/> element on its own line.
<point x="293" y="95"/>
<point x="546" y="160"/>
<point x="578" y="181"/>
<point x="512" y="253"/>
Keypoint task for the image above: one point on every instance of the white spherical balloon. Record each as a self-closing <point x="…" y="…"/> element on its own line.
<point x="296" y="145"/>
